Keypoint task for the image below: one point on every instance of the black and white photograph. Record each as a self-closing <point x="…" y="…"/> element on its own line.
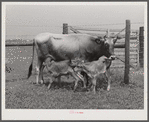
<point x="74" y="61"/>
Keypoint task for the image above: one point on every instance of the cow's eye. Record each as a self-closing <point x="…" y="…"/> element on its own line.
<point x="98" y="41"/>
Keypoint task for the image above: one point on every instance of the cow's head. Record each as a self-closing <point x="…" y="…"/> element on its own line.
<point x="108" y="47"/>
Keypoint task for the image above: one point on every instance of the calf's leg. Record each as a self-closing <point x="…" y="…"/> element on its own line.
<point x="107" y="74"/>
<point x="50" y="82"/>
<point x="76" y="81"/>
<point x="85" y="81"/>
<point x="59" y="81"/>
<point x="94" y="85"/>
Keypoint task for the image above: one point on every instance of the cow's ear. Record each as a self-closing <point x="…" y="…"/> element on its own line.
<point x="105" y="36"/>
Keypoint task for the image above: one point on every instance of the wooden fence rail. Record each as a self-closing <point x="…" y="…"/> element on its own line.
<point x="17" y="44"/>
<point x="99" y="30"/>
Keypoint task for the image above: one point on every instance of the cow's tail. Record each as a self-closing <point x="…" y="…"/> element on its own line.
<point x="31" y="66"/>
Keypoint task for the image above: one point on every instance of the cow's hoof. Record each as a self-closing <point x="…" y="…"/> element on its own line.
<point x="88" y="90"/>
<point x="41" y="82"/>
<point x="94" y="92"/>
<point x="108" y="88"/>
<point x="37" y="84"/>
<point x="74" y="91"/>
<point x="84" y="89"/>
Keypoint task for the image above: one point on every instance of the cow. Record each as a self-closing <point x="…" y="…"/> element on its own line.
<point x="95" y="68"/>
<point x="57" y="69"/>
<point x="69" y="46"/>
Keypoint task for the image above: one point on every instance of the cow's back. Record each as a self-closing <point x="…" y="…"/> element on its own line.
<point x="63" y="47"/>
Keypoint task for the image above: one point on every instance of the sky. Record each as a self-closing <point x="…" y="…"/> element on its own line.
<point x="26" y="21"/>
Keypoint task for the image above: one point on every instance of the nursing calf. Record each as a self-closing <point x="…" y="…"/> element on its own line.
<point x="95" y="68"/>
<point x="57" y="69"/>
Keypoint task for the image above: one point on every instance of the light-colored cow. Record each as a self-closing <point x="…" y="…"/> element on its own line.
<point x="64" y="47"/>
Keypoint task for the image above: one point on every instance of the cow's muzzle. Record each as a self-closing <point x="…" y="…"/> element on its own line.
<point x="112" y="57"/>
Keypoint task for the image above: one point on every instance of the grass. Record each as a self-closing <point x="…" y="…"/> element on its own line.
<point x="22" y="94"/>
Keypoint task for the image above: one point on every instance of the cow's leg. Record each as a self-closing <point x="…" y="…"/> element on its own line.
<point x="107" y="74"/>
<point x="38" y="68"/>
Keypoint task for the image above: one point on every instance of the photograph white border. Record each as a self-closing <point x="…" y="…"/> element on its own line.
<point x="65" y="114"/>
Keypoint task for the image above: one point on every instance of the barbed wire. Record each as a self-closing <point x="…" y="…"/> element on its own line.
<point x="71" y="25"/>
<point x="137" y="23"/>
<point x="109" y="24"/>
<point x="100" y="24"/>
<point x="119" y="32"/>
<point x="32" y="26"/>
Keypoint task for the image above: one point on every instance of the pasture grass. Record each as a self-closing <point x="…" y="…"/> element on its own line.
<point x="22" y="94"/>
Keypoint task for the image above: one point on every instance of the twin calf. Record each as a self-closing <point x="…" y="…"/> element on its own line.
<point x="72" y="67"/>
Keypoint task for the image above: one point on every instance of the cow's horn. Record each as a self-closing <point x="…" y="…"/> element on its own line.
<point x="115" y="39"/>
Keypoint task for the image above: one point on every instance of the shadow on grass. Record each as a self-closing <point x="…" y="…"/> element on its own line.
<point x="101" y="83"/>
<point x="64" y="85"/>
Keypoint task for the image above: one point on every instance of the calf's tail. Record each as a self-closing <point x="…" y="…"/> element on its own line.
<point x="31" y="66"/>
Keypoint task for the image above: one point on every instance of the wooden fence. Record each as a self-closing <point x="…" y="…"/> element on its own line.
<point x="128" y="47"/>
<point x="134" y="43"/>
<point x="141" y="46"/>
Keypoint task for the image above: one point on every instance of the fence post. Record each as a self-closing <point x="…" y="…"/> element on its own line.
<point x="127" y="47"/>
<point x="141" y="46"/>
<point x="65" y="28"/>
<point x="138" y="62"/>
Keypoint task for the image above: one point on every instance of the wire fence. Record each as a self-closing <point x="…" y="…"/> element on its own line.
<point x="33" y="26"/>
<point x="108" y="24"/>
<point x="134" y="50"/>
<point x="72" y="25"/>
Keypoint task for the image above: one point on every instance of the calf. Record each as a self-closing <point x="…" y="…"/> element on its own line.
<point x="57" y="69"/>
<point x="95" y="68"/>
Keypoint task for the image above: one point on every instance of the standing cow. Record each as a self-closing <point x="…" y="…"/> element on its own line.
<point x="64" y="47"/>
